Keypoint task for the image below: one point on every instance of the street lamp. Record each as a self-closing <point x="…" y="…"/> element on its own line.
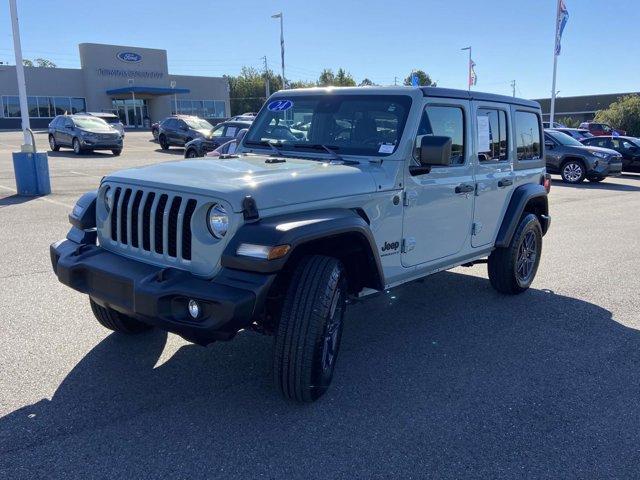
<point x="280" y="16"/>
<point x="175" y="95"/>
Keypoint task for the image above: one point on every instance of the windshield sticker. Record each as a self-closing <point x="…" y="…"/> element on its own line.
<point x="386" y="148"/>
<point x="279" y="105"/>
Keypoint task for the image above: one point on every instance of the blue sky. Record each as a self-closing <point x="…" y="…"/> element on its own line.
<point x="375" y="39"/>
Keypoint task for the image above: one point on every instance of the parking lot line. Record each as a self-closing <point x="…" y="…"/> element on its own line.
<point x="44" y="199"/>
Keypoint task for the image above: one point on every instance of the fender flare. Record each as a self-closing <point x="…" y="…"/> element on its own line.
<point x="296" y="230"/>
<point x="522" y="195"/>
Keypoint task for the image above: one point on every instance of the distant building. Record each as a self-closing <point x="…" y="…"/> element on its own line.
<point x="582" y="108"/>
<point x="132" y="82"/>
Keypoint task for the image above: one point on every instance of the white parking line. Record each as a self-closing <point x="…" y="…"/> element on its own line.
<point x="44" y="199"/>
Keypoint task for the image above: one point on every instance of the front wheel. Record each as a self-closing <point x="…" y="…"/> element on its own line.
<point x="310" y="327"/>
<point x="116" y="151"/>
<point x="573" y="171"/>
<point x="116" y="321"/>
<point x="513" y="268"/>
<point x="164" y="143"/>
<point x="53" y="144"/>
<point x="191" y="153"/>
<point x="77" y="149"/>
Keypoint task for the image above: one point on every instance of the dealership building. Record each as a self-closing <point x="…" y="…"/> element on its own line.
<point x="132" y="82"/>
<point x="582" y="108"/>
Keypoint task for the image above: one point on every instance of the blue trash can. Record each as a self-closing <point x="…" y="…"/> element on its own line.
<point x="32" y="173"/>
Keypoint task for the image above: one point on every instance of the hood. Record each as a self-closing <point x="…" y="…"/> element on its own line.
<point x="608" y="151"/>
<point x="588" y="149"/>
<point x="295" y="180"/>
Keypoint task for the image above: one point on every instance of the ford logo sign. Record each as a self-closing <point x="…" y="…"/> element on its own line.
<point x="130" y="57"/>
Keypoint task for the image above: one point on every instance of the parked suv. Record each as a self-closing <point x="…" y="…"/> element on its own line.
<point x="575" y="162"/>
<point x="222" y="133"/>
<point x="577" y="133"/>
<point x="388" y="185"/>
<point x="628" y="147"/>
<point x="181" y="129"/>
<point x="598" y="129"/>
<point x="111" y="118"/>
<point x="83" y="133"/>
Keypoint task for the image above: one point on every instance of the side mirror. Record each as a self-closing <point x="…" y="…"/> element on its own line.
<point x="69" y="127"/>
<point x="548" y="144"/>
<point x="434" y="151"/>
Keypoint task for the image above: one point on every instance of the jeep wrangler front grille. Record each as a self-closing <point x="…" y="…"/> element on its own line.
<point x="156" y="223"/>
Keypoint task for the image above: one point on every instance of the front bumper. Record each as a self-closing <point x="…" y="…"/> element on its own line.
<point x="610" y="169"/>
<point x="159" y="296"/>
<point x="100" y="144"/>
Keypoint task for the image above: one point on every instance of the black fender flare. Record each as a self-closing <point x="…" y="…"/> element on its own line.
<point x="522" y="195"/>
<point x="297" y="229"/>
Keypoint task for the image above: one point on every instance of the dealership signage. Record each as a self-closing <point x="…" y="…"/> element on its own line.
<point x="125" y="73"/>
<point x="129" y="57"/>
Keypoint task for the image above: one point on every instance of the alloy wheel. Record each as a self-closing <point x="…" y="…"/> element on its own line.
<point x="527" y="254"/>
<point x="572" y="172"/>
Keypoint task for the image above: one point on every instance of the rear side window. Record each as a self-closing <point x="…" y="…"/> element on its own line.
<point x="498" y="147"/>
<point x="447" y="122"/>
<point x="528" y="136"/>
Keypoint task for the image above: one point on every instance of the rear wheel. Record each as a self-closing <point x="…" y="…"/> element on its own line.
<point x="310" y="328"/>
<point x="116" y="151"/>
<point x="53" y="144"/>
<point x="573" y="171"/>
<point x="116" y="321"/>
<point x="77" y="148"/>
<point x="513" y="268"/>
<point x="191" y="153"/>
<point x="164" y="144"/>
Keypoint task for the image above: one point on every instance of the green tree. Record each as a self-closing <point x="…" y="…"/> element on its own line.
<point x="623" y="113"/>
<point x="44" y="63"/>
<point x="27" y="63"/>
<point x="569" y="122"/>
<point x="341" y="79"/>
<point x="344" y="79"/>
<point x="366" y="83"/>
<point x="424" y="80"/>
<point x="302" y="84"/>
<point x="327" y="78"/>
<point x="247" y="90"/>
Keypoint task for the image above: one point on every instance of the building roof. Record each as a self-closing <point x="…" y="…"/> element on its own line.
<point x="583" y="103"/>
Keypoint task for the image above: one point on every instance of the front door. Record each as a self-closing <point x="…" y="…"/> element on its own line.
<point x="494" y="172"/>
<point x="439" y="204"/>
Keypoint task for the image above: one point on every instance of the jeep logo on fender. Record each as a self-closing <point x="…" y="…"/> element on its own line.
<point x="390" y="246"/>
<point x="129" y="57"/>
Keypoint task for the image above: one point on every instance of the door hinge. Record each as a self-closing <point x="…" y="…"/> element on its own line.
<point x="408" y="244"/>
<point x="408" y="196"/>
<point x="476" y="228"/>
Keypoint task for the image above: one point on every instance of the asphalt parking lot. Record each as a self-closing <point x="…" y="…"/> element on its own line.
<point x="444" y="378"/>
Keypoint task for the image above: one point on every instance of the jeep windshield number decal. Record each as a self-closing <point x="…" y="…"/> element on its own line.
<point x="279" y="105"/>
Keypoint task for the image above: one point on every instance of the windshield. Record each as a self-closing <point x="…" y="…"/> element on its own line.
<point x="198" y="124"/>
<point x="92" y="123"/>
<point x="564" y="139"/>
<point x="349" y="124"/>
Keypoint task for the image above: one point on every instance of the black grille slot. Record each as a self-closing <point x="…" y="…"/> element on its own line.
<point x="124" y="217"/>
<point x="159" y="222"/>
<point x="146" y="222"/>
<point x="134" y="219"/>
<point x="114" y="215"/>
<point x="173" y="226"/>
<point x="186" y="229"/>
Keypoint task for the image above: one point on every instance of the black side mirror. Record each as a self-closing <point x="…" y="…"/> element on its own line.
<point x="434" y="151"/>
<point x="548" y="144"/>
<point x="69" y="127"/>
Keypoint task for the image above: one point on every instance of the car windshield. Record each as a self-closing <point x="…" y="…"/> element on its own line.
<point x="348" y="124"/>
<point x="90" y="123"/>
<point x="198" y="124"/>
<point x="564" y="139"/>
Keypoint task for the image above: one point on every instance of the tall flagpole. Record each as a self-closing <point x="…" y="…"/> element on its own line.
<point x="552" y="110"/>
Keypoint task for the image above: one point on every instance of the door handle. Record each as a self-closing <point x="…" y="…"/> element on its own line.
<point x="505" y="182"/>
<point x="465" y="188"/>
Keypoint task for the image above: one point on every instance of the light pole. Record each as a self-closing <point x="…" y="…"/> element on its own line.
<point x="130" y="81"/>
<point x="280" y="16"/>
<point x="22" y="88"/>
<point x="175" y="95"/>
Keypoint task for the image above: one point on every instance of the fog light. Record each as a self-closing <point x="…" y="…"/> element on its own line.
<point x="194" y="309"/>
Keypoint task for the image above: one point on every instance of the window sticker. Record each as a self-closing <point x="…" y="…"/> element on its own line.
<point x="279" y="105"/>
<point x="386" y="148"/>
<point x="484" y="134"/>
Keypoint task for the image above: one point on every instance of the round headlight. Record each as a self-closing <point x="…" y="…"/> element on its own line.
<point x="218" y="220"/>
<point x="108" y="198"/>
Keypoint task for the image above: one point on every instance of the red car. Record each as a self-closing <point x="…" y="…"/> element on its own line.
<point x="599" y="129"/>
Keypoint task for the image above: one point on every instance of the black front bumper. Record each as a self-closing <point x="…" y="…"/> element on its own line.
<point x="159" y="296"/>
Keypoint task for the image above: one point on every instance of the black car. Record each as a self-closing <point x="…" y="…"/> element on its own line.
<point x="179" y="130"/>
<point x="628" y="147"/>
<point x="83" y="133"/>
<point x="222" y="133"/>
<point x="577" y="133"/>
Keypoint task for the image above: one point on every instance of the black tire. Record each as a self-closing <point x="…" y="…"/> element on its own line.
<point x="117" y="321"/>
<point x="308" y="336"/>
<point x="596" y="179"/>
<point x="53" y="145"/>
<point x="507" y="273"/>
<point x="164" y="144"/>
<point x="77" y="148"/>
<point x="116" y="152"/>
<point x="573" y="171"/>
<point x="154" y="132"/>
<point x="191" y="153"/>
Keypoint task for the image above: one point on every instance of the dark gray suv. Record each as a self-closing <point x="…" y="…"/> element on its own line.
<point x="575" y="162"/>
<point x="181" y="129"/>
<point x="83" y="133"/>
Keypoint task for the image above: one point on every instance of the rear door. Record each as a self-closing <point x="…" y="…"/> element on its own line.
<point x="439" y="204"/>
<point x="494" y="170"/>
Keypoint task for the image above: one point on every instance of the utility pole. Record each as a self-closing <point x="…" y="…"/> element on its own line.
<point x="22" y="87"/>
<point x="395" y="81"/>
<point x="266" y="78"/>
<point x="513" y="87"/>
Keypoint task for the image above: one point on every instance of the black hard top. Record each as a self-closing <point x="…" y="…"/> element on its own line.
<point x="439" y="92"/>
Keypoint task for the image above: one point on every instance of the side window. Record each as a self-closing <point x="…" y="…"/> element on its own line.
<point x="218" y="131"/>
<point x="498" y="146"/>
<point x="231" y="131"/>
<point x="528" y="136"/>
<point x="446" y="122"/>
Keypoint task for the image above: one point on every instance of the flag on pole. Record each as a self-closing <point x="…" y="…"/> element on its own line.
<point x="414" y="79"/>
<point x="473" y="78"/>
<point x="561" y="22"/>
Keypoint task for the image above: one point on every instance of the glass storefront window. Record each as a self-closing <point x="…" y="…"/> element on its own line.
<point x="11" y="106"/>
<point x="220" y="109"/>
<point x="62" y="105"/>
<point x="44" y="104"/>
<point x="32" y="103"/>
<point x="77" y="105"/>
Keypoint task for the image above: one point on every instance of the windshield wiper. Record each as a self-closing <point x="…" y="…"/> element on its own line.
<point x="264" y="143"/>
<point x="331" y="149"/>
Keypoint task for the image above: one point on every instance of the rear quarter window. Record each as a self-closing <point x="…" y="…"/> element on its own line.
<point x="528" y="136"/>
